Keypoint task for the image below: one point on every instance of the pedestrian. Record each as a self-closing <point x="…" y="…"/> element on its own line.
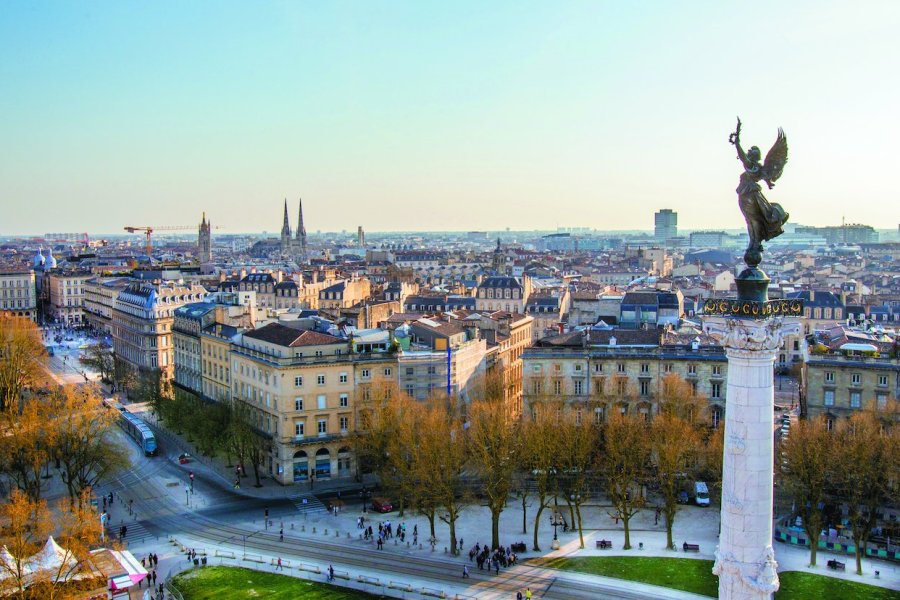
<point x="460" y="544"/>
<point x="527" y="593"/>
<point x="330" y="573"/>
<point x="144" y="562"/>
<point x="519" y="595"/>
<point x="281" y="535"/>
<point x="497" y="566"/>
<point x="465" y="571"/>
<point x="278" y="566"/>
<point x="155" y="559"/>
<point x="153" y="577"/>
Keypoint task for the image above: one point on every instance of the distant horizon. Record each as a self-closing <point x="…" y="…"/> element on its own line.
<point x="440" y="116"/>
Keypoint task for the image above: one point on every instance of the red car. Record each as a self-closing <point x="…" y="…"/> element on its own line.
<point x="382" y="505"/>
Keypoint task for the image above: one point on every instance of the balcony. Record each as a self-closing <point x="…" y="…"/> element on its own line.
<point x="296" y="361"/>
<point x="306" y="440"/>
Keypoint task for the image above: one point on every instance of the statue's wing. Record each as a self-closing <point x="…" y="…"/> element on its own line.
<point x="776" y="158"/>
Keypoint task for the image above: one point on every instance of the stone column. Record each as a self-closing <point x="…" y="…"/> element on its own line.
<point x="745" y="560"/>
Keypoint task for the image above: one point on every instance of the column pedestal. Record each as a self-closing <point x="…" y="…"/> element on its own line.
<point x="745" y="560"/>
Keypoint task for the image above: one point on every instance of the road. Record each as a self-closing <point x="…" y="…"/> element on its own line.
<point x="156" y="487"/>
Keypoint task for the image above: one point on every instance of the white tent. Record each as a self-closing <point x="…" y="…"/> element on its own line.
<point x="52" y="557"/>
<point x="8" y="562"/>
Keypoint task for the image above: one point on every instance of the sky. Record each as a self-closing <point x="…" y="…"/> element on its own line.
<point x="435" y="115"/>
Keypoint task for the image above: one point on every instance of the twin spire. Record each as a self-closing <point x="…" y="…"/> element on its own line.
<point x="297" y="246"/>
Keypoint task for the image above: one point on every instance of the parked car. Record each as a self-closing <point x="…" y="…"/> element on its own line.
<point x="682" y="497"/>
<point x="701" y="494"/>
<point x="382" y="505"/>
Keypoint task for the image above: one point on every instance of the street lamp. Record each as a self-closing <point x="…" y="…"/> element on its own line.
<point x="556" y="522"/>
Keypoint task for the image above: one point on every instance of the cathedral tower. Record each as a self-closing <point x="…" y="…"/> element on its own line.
<point x="301" y="237"/>
<point x="286" y="233"/>
<point x="204" y="241"/>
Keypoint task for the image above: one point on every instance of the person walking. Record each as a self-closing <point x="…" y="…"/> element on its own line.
<point x="465" y="571"/>
<point x="281" y="534"/>
<point x="153" y="577"/>
<point x="527" y="593"/>
<point x="278" y="566"/>
<point x="330" y="573"/>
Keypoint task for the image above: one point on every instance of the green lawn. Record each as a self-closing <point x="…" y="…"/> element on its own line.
<point x="233" y="583"/>
<point x="799" y="585"/>
<point x="696" y="576"/>
<point x="684" y="574"/>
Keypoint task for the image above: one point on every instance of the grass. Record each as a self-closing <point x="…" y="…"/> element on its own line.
<point x="696" y="576"/>
<point x="233" y="583"/>
<point x="684" y="574"/>
<point x="799" y="585"/>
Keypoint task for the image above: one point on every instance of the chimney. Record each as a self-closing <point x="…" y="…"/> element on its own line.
<point x="612" y="340"/>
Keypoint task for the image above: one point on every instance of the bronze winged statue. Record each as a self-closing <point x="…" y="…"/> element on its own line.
<point x="764" y="219"/>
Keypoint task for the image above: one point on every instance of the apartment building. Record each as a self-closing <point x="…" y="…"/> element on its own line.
<point x="99" y="301"/>
<point x="848" y="375"/>
<point x="18" y="296"/>
<point x="301" y="388"/>
<point x="594" y="372"/>
<point x="142" y="320"/>
<point x="66" y="304"/>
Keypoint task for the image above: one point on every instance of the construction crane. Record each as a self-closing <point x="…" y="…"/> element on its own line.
<point x="147" y="231"/>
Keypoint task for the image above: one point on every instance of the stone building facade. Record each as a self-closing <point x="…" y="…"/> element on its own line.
<point x="18" y="296"/>
<point x="599" y="371"/>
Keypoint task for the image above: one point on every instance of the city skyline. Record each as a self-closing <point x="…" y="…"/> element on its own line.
<point x="438" y="118"/>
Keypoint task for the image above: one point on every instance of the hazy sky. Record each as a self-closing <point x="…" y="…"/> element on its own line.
<point x="436" y="115"/>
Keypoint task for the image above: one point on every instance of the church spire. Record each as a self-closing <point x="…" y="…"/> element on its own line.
<point x="301" y="230"/>
<point x="286" y="227"/>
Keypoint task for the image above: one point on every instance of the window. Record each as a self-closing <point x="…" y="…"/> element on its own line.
<point x="645" y="368"/>
<point x="432" y="370"/>
<point x="345" y="400"/>
<point x="345" y="424"/>
<point x="854" y="399"/>
<point x="829" y="376"/>
<point x="598" y="415"/>
<point x="320" y="379"/>
<point x="598" y="367"/>
<point x="645" y="388"/>
<point x="321" y="402"/>
<point x="579" y="388"/>
<point x="318" y="353"/>
<point x="829" y="398"/>
<point x="881" y="401"/>
<point x="387" y="372"/>
<point x="692" y="369"/>
<point x="717" y="370"/>
<point x="620" y="367"/>
<point x="716" y="390"/>
<point x="598" y="386"/>
<point x="578" y="368"/>
<point x="536" y="386"/>
<point x="410" y="371"/>
<point x="855" y="378"/>
<point x="557" y="387"/>
<point x="343" y="378"/>
<point x="578" y="416"/>
<point x="535" y="368"/>
<point x="323" y="426"/>
<point x="298" y="428"/>
<point x="410" y="390"/>
<point x="557" y="367"/>
<point x="366" y="373"/>
<point x="298" y="381"/>
<point x="621" y="387"/>
<point x="882" y="380"/>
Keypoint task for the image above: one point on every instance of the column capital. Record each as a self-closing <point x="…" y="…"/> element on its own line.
<point x="753" y="335"/>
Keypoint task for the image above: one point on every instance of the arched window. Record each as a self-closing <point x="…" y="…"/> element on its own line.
<point x="323" y="463"/>
<point x="301" y="466"/>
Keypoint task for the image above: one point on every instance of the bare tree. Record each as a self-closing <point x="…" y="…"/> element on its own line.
<point x="866" y="465"/>
<point x="541" y="444"/>
<point x="26" y="445"/>
<point x="495" y="445"/>
<point x="805" y="469"/>
<point x="675" y="441"/>
<point x="22" y="359"/>
<point x="80" y="428"/>
<point x="577" y="456"/>
<point x="624" y="461"/>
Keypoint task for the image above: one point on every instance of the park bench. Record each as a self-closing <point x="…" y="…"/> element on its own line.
<point x="604" y="544"/>
<point x="690" y="547"/>
<point x="518" y="547"/>
<point x="837" y="565"/>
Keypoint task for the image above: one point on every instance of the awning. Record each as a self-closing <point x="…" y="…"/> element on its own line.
<point x="120" y="582"/>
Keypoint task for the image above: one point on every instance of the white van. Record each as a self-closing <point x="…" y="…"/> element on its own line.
<point x="701" y="494"/>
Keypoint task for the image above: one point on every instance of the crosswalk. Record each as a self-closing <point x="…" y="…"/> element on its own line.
<point x="136" y="531"/>
<point x="307" y="504"/>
